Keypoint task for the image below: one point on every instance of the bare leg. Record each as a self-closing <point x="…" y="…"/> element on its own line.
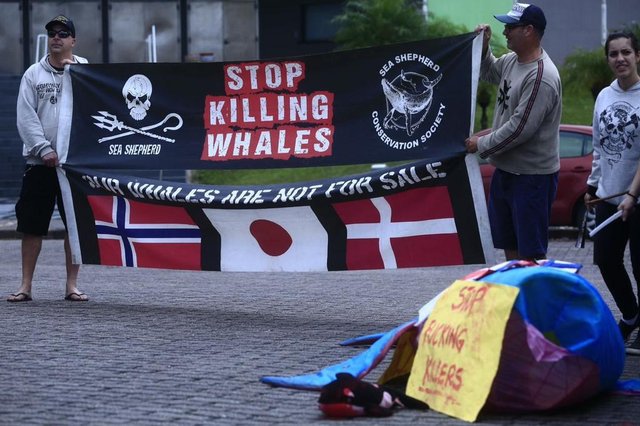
<point x="72" y="272"/>
<point x="31" y="246"/>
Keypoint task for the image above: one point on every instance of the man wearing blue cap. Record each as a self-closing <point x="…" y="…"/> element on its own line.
<point x="524" y="142"/>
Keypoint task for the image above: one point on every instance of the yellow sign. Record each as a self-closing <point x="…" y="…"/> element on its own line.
<point x="459" y="348"/>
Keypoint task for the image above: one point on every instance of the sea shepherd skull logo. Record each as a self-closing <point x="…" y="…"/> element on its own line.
<point x="136" y="93"/>
<point x="409" y="97"/>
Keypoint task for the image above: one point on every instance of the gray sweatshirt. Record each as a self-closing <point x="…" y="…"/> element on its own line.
<point x="38" y="109"/>
<point x="616" y="141"/>
<point x="525" y="133"/>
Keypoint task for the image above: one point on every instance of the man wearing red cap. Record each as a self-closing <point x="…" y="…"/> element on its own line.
<point x="524" y="142"/>
<point x="37" y="112"/>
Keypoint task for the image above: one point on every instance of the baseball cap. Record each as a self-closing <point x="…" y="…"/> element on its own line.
<point x="524" y="13"/>
<point x="62" y="20"/>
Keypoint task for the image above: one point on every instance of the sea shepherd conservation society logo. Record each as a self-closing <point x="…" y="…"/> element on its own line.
<point x="408" y="82"/>
<point x="136" y="94"/>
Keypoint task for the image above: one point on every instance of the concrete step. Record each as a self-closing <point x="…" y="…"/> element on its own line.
<point x="9" y="88"/>
<point x="8" y="113"/>
<point x="8" y="107"/>
<point x="11" y="159"/>
<point x="10" y="142"/>
<point x="10" y="189"/>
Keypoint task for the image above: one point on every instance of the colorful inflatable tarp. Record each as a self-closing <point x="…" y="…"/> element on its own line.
<point x="561" y="343"/>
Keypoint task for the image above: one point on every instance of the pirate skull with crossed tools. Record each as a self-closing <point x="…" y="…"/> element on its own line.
<point x="137" y="96"/>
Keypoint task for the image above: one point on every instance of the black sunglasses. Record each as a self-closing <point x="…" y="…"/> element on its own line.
<point x="512" y="26"/>
<point x="61" y="33"/>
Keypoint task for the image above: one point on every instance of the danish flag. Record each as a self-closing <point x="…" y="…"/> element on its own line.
<point x="403" y="230"/>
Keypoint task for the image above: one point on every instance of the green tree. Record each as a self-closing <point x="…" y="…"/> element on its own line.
<point x="589" y="68"/>
<point x="438" y="26"/>
<point x="366" y="23"/>
<point x="586" y="69"/>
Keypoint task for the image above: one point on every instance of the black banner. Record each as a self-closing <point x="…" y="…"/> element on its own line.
<point x="416" y="215"/>
<point x="389" y="103"/>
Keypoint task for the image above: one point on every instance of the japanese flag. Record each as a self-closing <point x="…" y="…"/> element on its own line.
<point x="281" y="239"/>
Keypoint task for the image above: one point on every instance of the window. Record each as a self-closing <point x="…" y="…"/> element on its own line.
<point x="317" y="21"/>
<point x="574" y="145"/>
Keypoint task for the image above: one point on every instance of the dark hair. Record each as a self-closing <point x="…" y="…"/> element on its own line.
<point x="540" y="31"/>
<point x="622" y="34"/>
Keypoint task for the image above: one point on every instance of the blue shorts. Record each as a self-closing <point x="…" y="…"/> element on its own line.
<point x="519" y="211"/>
<point x="38" y="197"/>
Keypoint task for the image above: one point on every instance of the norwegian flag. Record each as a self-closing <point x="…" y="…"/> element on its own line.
<point x="414" y="228"/>
<point x="136" y="234"/>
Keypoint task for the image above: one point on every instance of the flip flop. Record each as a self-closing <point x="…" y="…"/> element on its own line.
<point x="76" y="297"/>
<point x="23" y="297"/>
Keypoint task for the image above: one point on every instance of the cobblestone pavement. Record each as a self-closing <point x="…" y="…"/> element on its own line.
<point x="157" y="346"/>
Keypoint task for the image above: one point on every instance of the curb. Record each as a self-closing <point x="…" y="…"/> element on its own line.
<point x="563" y="232"/>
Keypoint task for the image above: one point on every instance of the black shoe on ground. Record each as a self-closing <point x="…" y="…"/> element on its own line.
<point x="634" y="347"/>
<point x="627" y="329"/>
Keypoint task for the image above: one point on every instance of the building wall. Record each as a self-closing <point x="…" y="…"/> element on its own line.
<point x="215" y="29"/>
<point x="240" y="34"/>
<point x="11" y="32"/>
<point x="229" y="28"/>
<point x="576" y="24"/>
<point x="130" y="23"/>
<point x="282" y="29"/>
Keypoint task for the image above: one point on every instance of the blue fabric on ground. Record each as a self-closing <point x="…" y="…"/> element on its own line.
<point x="628" y="386"/>
<point x="358" y="366"/>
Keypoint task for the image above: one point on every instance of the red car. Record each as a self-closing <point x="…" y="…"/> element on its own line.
<point x="576" y="153"/>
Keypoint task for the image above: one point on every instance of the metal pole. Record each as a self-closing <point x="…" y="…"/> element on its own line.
<point x="26" y="34"/>
<point x="256" y="6"/>
<point x="35" y="59"/>
<point x="184" y="30"/>
<point x="153" y="44"/>
<point x="149" y="54"/>
<point x="603" y="14"/>
<point x="104" y="18"/>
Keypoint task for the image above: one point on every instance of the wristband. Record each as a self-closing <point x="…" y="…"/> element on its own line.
<point x="635" y="197"/>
